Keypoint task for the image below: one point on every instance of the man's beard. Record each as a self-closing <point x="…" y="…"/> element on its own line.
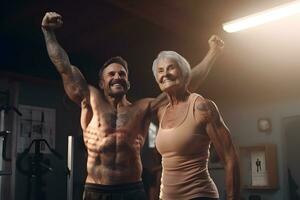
<point x="117" y="95"/>
<point x="125" y="84"/>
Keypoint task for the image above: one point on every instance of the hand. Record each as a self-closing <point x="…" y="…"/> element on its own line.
<point x="52" y="20"/>
<point x="216" y="43"/>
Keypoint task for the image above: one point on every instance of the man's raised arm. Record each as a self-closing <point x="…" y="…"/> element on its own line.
<point x="74" y="82"/>
<point x="201" y="71"/>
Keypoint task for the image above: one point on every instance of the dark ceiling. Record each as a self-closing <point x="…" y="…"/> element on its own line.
<point x="94" y="31"/>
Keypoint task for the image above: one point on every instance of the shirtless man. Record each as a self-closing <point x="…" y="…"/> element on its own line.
<point x="114" y="129"/>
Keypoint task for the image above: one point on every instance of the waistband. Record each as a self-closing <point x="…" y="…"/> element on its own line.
<point x="119" y="187"/>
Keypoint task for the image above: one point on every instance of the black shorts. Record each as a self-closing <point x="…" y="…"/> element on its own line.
<point x="130" y="191"/>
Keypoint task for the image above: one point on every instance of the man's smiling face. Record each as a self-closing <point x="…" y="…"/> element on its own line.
<point x="114" y="80"/>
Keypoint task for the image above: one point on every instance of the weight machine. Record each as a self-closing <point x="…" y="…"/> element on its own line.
<point x="37" y="167"/>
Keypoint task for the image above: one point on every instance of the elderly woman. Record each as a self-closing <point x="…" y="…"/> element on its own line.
<point x="188" y="125"/>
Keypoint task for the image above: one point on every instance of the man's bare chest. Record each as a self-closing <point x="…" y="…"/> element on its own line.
<point x="110" y="129"/>
<point x="124" y="119"/>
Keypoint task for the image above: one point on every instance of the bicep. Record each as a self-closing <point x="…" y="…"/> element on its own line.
<point x="219" y="134"/>
<point x="221" y="139"/>
<point x="75" y="85"/>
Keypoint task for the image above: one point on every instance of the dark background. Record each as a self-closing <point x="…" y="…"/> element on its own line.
<point x="94" y="31"/>
<point x="259" y="66"/>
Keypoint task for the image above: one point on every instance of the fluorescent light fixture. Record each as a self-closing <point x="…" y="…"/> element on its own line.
<point x="263" y="17"/>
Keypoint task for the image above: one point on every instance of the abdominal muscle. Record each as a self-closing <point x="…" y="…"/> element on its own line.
<point x="113" y="156"/>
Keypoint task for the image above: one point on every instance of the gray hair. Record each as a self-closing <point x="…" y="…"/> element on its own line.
<point x="183" y="64"/>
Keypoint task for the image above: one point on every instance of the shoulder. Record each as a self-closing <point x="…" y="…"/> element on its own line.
<point x="202" y="104"/>
<point x="93" y="89"/>
<point x="205" y="106"/>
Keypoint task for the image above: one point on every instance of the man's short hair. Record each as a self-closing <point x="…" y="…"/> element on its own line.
<point x="183" y="64"/>
<point x="116" y="59"/>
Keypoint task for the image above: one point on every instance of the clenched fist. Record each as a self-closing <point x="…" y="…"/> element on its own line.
<point x="216" y="43"/>
<point x="52" y="20"/>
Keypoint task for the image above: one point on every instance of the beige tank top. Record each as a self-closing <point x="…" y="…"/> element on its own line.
<point x="185" y="152"/>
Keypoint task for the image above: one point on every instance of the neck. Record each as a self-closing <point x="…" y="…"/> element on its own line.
<point x="117" y="102"/>
<point x="178" y="96"/>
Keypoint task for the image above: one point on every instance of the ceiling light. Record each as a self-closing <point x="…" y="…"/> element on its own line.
<point x="263" y="17"/>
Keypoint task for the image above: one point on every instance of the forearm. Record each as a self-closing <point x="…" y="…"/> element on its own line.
<point x="200" y="72"/>
<point x="56" y="53"/>
<point x="74" y="82"/>
<point x="232" y="180"/>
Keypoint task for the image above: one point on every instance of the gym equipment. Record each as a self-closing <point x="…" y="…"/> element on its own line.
<point x="70" y="167"/>
<point x="4" y="109"/>
<point x="37" y="167"/>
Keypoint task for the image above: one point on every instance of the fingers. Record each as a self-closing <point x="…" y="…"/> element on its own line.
<point x="216" y="40"/>
<point x="219" y="42"/>
<point x="53" y="16"/>
<point x="52" y="20"/>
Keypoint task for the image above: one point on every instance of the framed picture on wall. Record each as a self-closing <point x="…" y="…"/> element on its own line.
<point x="258" y="166"/>
<point x="36" y="123"/>
<point x="214" y="160"/>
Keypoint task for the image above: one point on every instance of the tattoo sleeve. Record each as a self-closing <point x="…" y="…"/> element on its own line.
<point x="74" y="82"/>
<point x="203" y="107"/>
<point x="56" y="53"/>
<point x="221" y="139"/>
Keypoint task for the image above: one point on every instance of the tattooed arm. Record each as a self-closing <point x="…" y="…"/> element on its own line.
<point x="74" y="82"/>
<point x="208" y="114"/>
<point x="200" y="71"/>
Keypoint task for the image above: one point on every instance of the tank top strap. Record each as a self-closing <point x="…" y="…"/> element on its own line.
<point x="191" y="112"/>
<point x="163" y="115"/>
